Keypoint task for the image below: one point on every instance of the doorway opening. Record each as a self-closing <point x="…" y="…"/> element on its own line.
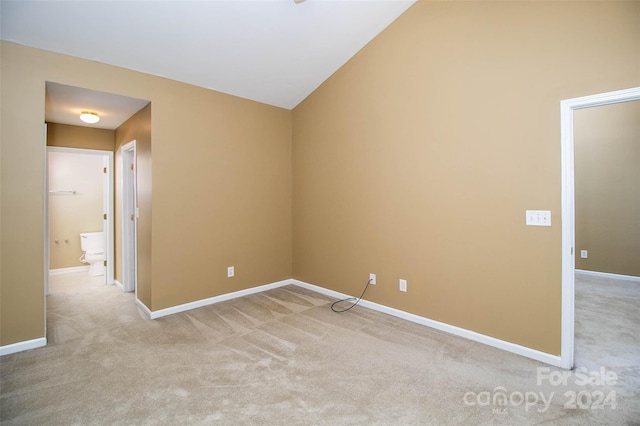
<point x="567" y="108"/>
<point x="79" y="200"/>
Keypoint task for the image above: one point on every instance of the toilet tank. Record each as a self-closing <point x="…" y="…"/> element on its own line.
<point x="91" y="240"/>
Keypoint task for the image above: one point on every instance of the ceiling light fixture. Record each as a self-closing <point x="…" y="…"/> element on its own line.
<point x="89" y="117"/>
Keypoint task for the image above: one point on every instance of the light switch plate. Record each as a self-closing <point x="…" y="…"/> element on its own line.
<point x="538" y="217"/>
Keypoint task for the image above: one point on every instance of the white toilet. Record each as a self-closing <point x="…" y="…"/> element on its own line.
<point x="92" y="245"/>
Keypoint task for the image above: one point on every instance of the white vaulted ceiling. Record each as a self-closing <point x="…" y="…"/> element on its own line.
<point x="271" y="51"/>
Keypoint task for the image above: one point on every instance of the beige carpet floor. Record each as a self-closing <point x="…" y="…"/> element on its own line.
<point x="283" y="357"/>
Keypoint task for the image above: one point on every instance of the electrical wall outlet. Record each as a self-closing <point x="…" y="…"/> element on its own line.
<point x="231" y="271"/>
<point x="372" y="279"/>
<point x="403" y="285"/>
<point x="584" y="254"/>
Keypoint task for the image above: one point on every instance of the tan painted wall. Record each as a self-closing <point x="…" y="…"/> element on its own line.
<point x="64" y="135"/>
<point x="137" y="128"/>
<point x="71" y="214"/>
<point x="221" y="185"/>
<point x="418" y="159"/>
<point x="226" y="187"/>
<point x="607" y="188"/>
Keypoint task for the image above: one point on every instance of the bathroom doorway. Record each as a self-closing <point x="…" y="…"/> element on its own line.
<point x="79" y="200"/>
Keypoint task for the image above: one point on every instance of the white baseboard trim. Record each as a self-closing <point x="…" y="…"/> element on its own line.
<point x="69" y="270"/>
<point x="608" y="275"/>
<point x="23" y="346"/>
<point x="546" y="358"/>
<point x="209" y="301"/>
<point x="457" y="331"/>
<point x="119" y="285"/>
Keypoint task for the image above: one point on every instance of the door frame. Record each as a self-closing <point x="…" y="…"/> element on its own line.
<point x="129" y="202"/>
<point x="567" y="107"/>
<point x="107" y="207"/>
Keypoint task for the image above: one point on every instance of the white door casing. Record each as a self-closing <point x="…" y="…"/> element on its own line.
<point x="568" y="208"/>
<point x="108" y="207"/>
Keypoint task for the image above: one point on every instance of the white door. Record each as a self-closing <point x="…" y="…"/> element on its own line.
<point x="129" y="217"/>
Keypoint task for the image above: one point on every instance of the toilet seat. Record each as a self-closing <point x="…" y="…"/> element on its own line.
<point x="94" y="257"/>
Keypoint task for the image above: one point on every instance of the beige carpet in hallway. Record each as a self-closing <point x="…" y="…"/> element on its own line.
<point x="283" y="357"/>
